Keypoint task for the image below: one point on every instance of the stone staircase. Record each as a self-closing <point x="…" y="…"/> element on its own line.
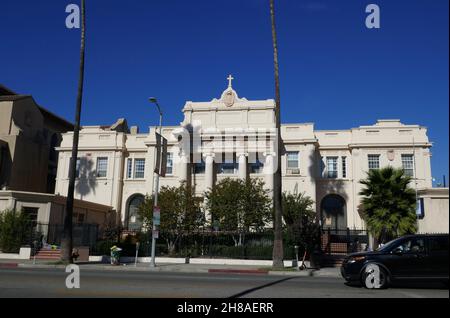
<point x="49" y="254"/>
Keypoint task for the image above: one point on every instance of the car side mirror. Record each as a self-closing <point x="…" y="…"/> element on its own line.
<point x="397" y="251"/>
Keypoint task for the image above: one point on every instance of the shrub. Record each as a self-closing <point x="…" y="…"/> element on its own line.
<point x="14" y="229"/>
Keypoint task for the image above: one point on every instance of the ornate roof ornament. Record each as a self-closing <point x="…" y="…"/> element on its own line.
<point x="229" y="96"/>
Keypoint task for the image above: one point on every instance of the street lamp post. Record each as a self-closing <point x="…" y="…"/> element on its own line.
<point x="155" y="203"/>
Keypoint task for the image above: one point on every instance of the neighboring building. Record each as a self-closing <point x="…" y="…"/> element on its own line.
<point x="115" y="166"/>
<point x="46" y="212"/>
<point x="435" y="210"/>
<point x="49" y="209"/>
<point x="28" y="137"/>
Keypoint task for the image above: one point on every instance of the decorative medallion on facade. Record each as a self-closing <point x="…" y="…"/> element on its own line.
<point x="391" y="155"/>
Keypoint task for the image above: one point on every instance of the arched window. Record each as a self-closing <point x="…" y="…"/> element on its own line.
<point x="333" y="212"/>
<point x="133" y="222"/>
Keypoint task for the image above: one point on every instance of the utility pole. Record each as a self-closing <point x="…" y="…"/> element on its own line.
<point x="156" y="188"/>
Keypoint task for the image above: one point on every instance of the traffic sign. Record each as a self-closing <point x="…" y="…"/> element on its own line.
<point x="156" y="215"/>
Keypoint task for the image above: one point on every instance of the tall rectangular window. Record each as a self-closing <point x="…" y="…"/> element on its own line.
<point x="322" y="167"/>
<point x="374" y="162"/>
<point x="256" y="167"/>
<point x="292" y="159"/>
<point x="344" y="167"/>
<point x="169" y="166"/>
<point x="332" y="169"/>
<point x="129" y="168"/>
<point x="228" y="166"/>
<point x="102" y="167"/>
<point x="199" y="167"/>
<point x="139" y="168"/>
<point x="408" y="165"/>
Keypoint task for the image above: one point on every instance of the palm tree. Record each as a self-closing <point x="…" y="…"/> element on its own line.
<point x="66" y="241"/>
<point x="388" y="203"/>
<point x="277" y="255"/>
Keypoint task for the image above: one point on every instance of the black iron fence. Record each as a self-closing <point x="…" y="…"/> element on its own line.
<point x="207" y="244"/>
<point x="344" y="241"/>
<point x="204" y="243"/>
<point x="41" y="234"/>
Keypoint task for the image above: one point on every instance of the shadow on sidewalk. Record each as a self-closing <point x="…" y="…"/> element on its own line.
<point x="248" y="291"/>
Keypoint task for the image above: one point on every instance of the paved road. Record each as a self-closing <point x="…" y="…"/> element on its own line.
<point x="21" y="282"/>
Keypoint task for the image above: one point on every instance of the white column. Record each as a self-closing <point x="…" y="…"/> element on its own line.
<point x="209" y="178"/>
<point x="269" y="171"/>
<point x="183" y="166"/>
<point x="209" y="171"/>
<point x="242" y="166"/>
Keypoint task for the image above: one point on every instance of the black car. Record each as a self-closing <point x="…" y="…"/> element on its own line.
<point x="415" y="257"/>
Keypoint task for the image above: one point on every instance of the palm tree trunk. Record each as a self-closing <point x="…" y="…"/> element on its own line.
<point x="66" y="242"/>
<point x="277" y="255"/>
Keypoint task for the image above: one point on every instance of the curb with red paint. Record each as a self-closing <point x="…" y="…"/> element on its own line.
<point x="8" y="265"/>
<point x="238" y="271"/>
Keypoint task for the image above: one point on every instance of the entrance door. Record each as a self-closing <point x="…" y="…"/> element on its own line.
<point x="333" y="213"/>
<point x="133" y="221"/>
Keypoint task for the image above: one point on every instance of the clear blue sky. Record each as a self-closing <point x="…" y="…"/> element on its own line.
<point x="334" y="71"/>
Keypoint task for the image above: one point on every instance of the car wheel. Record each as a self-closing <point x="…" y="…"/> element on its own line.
<point x="368" y="277"/>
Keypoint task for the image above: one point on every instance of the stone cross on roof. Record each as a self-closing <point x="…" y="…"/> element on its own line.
<point x="230" y="78"/>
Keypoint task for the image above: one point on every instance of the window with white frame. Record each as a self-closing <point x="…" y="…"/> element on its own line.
<point x="332" y="167"/>
<point x="374" y="162"/>
<point x="102" y="167"/>
<point x="408" y="165"/>
<point x="322" y="167"/>
<point x="292" y="160"/>
<point x="169" y="165"/>
<point x="344" y="167"/>
<point x="129" y="168"/>
<point x="139" y="168"/>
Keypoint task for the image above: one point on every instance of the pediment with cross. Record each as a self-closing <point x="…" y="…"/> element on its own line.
<point x="229" y="96"/>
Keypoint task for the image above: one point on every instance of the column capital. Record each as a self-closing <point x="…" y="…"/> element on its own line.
<point x="209" y="154"/>
<point x="241" y="153"/>
<point x="269" y="153"/>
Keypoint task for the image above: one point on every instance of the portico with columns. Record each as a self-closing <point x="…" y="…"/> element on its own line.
<point x="232" y="138"/>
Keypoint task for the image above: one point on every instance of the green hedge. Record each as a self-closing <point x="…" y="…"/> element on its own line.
<point x="14" y="231"/>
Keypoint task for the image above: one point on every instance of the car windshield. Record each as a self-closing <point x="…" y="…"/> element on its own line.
<point x="387" y="246"/>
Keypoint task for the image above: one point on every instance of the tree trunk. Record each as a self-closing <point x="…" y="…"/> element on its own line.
<point x="277" y="189"/>
<point x="66" y="241"/>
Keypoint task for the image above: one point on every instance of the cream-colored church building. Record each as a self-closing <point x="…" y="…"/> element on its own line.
<point x="116" y="163"/>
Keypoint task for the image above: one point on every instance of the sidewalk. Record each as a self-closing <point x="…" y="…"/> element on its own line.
<point x="179" y="268"/>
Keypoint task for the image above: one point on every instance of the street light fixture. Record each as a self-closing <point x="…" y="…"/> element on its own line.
<point x="153" y="100"/>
